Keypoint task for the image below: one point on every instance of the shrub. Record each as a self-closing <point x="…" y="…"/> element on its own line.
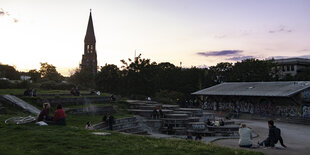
<point x="55" y="85"/>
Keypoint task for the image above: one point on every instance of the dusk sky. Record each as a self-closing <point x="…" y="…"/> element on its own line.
<point x="194" y="32"/>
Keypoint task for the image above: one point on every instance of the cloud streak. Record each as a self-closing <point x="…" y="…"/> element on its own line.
<point x="6" y="13"/>
<point x="220" y="53"/>
<point x="280" y="29"/>
<point x="240" y="58"/>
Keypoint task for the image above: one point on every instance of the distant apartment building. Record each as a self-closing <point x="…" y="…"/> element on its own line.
<point x="292" y="66"/>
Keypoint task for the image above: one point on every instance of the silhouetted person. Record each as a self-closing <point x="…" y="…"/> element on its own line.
<point x="30" y="92"/>
<point x="209" y="123"/>
<point x="198" y="137"/>
<point x="77" y="92"/>
<point x="92" y="92"/>
<point x="27" y="92"/>
<point x="155" y="114"/>
<point x="73" y="91"/>
<point x="189" y="136"/>
<point x="44" y="114"/>
<point x="105" y="118"/>
<point x="112" y="98"/>
<point x="111" y="122"/>
<point x="161" y="114"/>
<point x="221" y="122"/>
<point x="34" y="93"/>
<point x="170" y="129"/>
<point x="273" y="137"/>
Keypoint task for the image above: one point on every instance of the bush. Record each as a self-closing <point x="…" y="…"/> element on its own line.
<point x="169" y="97"/>
<point x="4" y="84"/>
<point x="55" y="85"/>
<point x="23" y="84"/>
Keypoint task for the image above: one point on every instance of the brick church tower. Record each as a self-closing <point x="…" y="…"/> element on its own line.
<point x="89" y="58"/>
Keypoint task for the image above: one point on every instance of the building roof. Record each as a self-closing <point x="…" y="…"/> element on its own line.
<point x="293" y="61"/>
<point x="90" y="34"/>
<point x="268" y="89"/>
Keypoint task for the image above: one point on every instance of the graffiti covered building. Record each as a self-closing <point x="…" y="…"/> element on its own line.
<point x="286" y="99"/>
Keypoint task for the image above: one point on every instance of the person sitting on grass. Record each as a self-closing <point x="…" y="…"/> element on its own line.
<point x="198" y="137"/>
<point x="59" y="116"/>
<point x="273" y="137"/>
<point x="245" y="139"/>
<point x="89" y="126"/>
<point x="189" y="136"/>
<point x="44" y="114"/>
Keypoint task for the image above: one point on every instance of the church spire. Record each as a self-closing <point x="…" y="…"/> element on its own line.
<point x="90" y="34"/>
<point x="89" y="58"/>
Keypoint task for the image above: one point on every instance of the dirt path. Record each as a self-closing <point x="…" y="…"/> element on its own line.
<point x="296" y="137"/>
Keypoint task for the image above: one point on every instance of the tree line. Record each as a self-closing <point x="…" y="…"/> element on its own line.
<point x="141" y="77"/>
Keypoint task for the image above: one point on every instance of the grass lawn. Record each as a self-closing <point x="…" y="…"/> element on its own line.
<point x="75" y="139"/>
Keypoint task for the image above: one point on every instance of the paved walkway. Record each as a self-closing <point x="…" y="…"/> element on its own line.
<point x="296" y="137"/>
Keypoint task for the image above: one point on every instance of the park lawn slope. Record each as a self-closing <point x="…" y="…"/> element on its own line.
<point x="74" y="139"/>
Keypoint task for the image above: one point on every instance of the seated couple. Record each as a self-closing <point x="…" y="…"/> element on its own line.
<point x="246" y="139"/>
<point x="59" y="115"/>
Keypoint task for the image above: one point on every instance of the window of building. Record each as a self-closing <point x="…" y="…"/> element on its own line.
<point x="288" y="68"/>
<point x="283" y="69"/>
<point x="292" y="67"/>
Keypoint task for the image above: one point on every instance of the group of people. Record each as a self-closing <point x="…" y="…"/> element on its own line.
<point x="30" y="92"/>
<point x="246" y="138"/>
<point x="59" y="117"/>
<point x="107" y="118"/>
<point x="157" y="113"/>
<point x="215" y="122"/>
<point x="75" y="91"/>
<point x="190" y="137"/>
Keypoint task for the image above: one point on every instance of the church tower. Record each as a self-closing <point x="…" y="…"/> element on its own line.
<point x="89" y="58"/>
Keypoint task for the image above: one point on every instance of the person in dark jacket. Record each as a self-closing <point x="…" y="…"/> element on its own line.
<point x="111" y="121"/>
<point x="273" y="137"/>
<point x="221" y="122"/>
<point x="105" y="118"/>
<point x="198" y="137"/>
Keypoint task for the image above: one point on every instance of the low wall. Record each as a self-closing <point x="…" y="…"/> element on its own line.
<point x="67" y="101"/>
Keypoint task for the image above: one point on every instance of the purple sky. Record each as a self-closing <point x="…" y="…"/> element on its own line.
<point x="194" y="32"/>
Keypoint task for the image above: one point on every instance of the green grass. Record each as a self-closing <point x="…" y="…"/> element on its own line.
<point x="74" y="139"/>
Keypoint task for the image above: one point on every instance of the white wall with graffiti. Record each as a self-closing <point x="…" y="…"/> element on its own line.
<point x="306" y="111"/>
<point x="258" y="106"/>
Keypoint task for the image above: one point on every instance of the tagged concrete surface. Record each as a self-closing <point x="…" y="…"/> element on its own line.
<point x="296" y="137"/>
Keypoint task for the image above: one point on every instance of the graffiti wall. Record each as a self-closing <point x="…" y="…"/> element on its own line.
<point x="306" y="111"/>
<point x="263" y="108"/>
